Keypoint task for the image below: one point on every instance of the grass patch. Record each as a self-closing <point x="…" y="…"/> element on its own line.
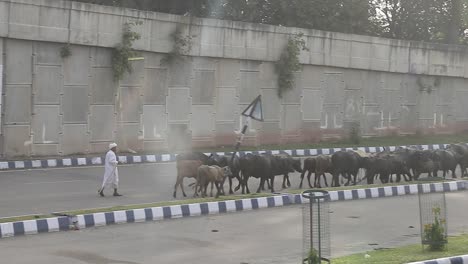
<point x="23" y="218"/>
<point x="457" y="245"/>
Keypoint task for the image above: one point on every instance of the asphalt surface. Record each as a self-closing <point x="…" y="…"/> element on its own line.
<point x="52" y="190"/>
<point x="254" y="237"/>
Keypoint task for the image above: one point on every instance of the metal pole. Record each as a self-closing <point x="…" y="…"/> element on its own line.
<point x="241" y="137"/>
<point x="311" y="223"/>
<point x="319" y="231"/>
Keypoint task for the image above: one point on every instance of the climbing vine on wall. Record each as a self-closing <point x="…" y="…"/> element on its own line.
<point x="427" y="86"/>
<point x="288" y="63"/>
<point x="65" y="51"/>
<point x="123" y="51"/>
<point x="182" y="47"/>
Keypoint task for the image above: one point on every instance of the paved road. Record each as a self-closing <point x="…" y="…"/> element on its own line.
<point x="256" y="237"/>
<point x="52" y="190"/>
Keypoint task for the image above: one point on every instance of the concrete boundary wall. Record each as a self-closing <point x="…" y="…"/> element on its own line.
<point x="210" y="208"/>
<point x="71" y="106"/>
<point x="97" y="25"/>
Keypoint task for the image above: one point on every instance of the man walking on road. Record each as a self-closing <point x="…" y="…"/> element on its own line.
<point x="111" y="174"/>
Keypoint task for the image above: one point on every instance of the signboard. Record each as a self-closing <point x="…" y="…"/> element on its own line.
<point x="254" y="110"/>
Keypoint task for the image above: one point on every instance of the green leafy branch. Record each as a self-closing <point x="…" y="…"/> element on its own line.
<point x="123" y="51"/>
<point x="288" y="63"/>
<point x="434" y="234"/>
<point x="182" y="47"/>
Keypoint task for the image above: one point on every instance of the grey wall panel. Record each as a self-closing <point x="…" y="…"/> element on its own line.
<point x="228" y="73"/>
<point x="75" y="139"/>
<point x="4" y="18"/>
<point x="178" y="105"/>
<point x="53" y="24"/>
<point x="75" y="106"/>
<point x="461" y="111"/>
<point x="102" y="121"/>
<point x="159" y="37"/>
<point x="291" y="119"/>
<point x="21" y="24"/>
<point x="312" y="105"/>
<point x="312" y="77"/>
<point x="130" y="104"/>
<point x="47" y="53"/>
<point x="293" y="96"/>
<point x="333" y="89"/>
<point x="271" y="105"/>
<point x="155" y="86"/>
<point x="154" y="122"/>
<point x="249" y="86"/>
<point x="180" y="73"/>
<point x="44" y="150"/>
<point x="18" y="143"/>
<point x="48" y="85"/>
<point x="83" y="28"/>
<point x="268" y="76"/>
<point x="46" y="124"/>
<point x="102" y="86"/>
<point x="205" y="63"/>
<point x="128" y="137"/>
<point x="101" y="57"/>
<point x="203" y="89"/>
<point x="19" y="59"/>
<point x="372" y="87"/>
<point x="352" y="105"/>
<point x="17" y="104"/>
<point x="77" y="66"/>
<point x="226" y="105"/>
<point x="202" y="121"/>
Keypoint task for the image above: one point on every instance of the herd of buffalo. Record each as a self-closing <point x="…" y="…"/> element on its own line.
<point x="409" y="162"/>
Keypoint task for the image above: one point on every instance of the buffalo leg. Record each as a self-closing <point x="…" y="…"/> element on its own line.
<point x="262" y="183"/>
<point x="273" y="183"/>
<point x="335" y="180"/>
<point x="289" y="183"/>
<point x="217" y="190"/>
<point x="308" y="178"/>
<point x="175" y="188"/>
<point x="285" y="176"/>
<point x="325" y="179"/>
<point x="302" y="178"/>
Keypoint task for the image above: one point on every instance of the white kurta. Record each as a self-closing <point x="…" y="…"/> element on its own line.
<point x="111" y="174"/>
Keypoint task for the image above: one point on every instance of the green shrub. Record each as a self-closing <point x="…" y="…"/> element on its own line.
<point x="434" y="234"/>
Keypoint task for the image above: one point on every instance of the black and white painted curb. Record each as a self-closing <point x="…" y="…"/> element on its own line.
<point x="65" y="223"/>
<point x="452" y="260"/>
<point x="138" y="159"/>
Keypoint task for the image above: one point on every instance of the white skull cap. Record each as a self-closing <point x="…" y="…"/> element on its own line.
<point x="112" y="145"/>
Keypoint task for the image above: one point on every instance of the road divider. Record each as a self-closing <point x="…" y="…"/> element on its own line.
<point x="451" y="260"/>
<point x="75" y="222"/>
<point x="159" y="158"/>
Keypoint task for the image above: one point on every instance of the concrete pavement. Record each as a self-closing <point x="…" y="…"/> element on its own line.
<point x="266" y="236"/>
<point x="52" y="190"/>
